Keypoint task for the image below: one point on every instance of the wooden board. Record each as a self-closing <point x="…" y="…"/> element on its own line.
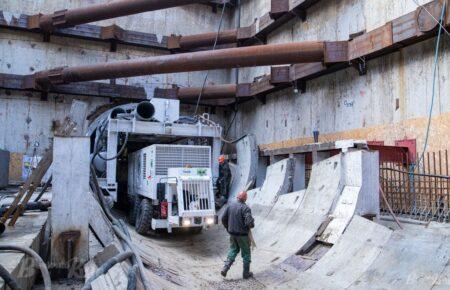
<point x="408" y="129"/>
<point x="15" y="167"/>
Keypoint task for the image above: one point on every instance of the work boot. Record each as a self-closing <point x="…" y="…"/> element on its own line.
<point x="247" y="274"/>
<point x="226" y="267"/>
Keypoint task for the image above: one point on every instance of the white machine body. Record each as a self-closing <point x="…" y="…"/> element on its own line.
<point x="179" y="176"/>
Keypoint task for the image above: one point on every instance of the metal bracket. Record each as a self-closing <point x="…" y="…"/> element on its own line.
<point x="69" y="241"/>
<point x="300" y="86"/>
<point x="360" y="65"/>
<point x="113" y="34"/>
<point x="300" y="13"/>
<point x="59" y="18"/>
<point x="261" y="98"/>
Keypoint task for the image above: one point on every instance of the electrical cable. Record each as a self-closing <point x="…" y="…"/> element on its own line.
<point x="214" y="48"/>
<point x="9" y="279"/>
<point x="97" y="148"/>
<point x="37" y="258"/>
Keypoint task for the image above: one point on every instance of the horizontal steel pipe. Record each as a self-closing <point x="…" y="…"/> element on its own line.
<point x="77" y="16"/>
<point x="208" y="93"/>
<point x="272" y="54"/>
<point x="201" y="40"/>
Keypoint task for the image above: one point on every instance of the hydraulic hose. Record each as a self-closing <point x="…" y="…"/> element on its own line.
<point x="130" y="245"/>
<point x="106" y="266"/>
<point x="37" y="258"/>
<point x="132" y="277"/>
<point x="9" y="279"/>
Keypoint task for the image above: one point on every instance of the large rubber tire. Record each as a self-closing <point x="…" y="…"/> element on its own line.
<point x="144" y="217"/>
<point x="135" y="202"/>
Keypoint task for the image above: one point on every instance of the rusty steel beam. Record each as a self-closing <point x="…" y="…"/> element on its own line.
<point x="72" y="17"/>
<point x="411" y="28"/>
<point x="201" y="40"/>
<point x="216" y="95"/>
<point x="273" y="54"/>
<point x="216" y="92"/>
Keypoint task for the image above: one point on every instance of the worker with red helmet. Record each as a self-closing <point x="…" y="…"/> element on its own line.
<point x="223" y="182"/>
<point x="238" y="220"/>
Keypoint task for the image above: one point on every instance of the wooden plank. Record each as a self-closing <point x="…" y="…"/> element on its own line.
<point x="99" y="222"/>
<point x="15" y="167"/>
<point x="70" y="205"/>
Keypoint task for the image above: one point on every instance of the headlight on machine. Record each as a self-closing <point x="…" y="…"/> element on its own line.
<point x="186" y="222"/>
<point x="210" y="221"/>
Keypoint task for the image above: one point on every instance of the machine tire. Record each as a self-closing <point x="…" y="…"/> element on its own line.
<point x="135" y="202"/>
<point x="144" y="217"/>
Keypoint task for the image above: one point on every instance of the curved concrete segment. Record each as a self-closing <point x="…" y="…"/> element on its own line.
<point x="347" y="260"/>
<point x="411" y="259"/>
<point x="244" y="172"/>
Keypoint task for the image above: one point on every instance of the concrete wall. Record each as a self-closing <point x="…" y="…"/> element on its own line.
<point x="345" y="101"/>
<point x="342" y="104"/>
<point x="24" y="119"/>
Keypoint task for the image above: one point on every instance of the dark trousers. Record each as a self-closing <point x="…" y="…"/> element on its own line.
<point x="239" y="244"/>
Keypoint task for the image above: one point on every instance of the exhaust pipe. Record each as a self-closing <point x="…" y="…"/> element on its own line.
<point x="144" y="111"/>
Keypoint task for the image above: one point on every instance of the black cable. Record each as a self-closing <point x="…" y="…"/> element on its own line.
<point x="122" y="149"/>
<point x="9" y="279"/>
<point x="97" y="148"/>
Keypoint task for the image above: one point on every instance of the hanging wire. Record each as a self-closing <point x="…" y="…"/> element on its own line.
<point x="433" y="96"/>
<point x="214" y="48"/>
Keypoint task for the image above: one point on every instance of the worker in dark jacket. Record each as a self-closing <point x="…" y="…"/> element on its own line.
<point x="223" y="182"/>
<point x="237" y="219"/>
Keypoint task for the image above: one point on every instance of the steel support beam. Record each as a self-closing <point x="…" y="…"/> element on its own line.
<point x="72" y="17"/>
<point x="273" y="54"/>
<point x="202" y="40"/>
<point x="208" y="93"/>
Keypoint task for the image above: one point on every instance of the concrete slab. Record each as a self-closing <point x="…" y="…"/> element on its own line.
<point x="26" y="233"/>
